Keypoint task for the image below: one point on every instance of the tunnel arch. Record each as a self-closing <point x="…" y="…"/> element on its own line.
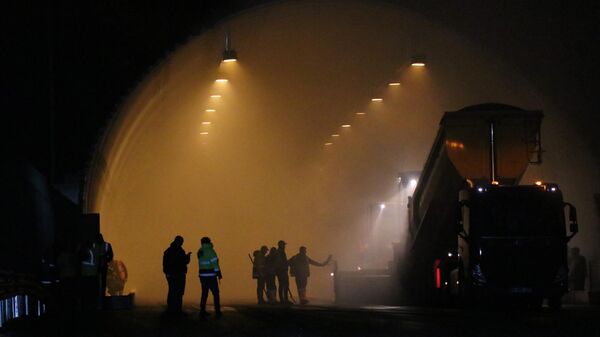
<point x="262" y="172"/>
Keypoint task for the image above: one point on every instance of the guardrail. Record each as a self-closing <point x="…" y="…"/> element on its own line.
<point x="20" y="296"/>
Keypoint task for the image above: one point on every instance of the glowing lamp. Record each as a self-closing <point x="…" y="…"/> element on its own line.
<point x="215" y="96"/>
<point x="538" y="183"/>
<point x="382" y="206"/>
<point x="394" y="84"/>
<point x="346" y="125"/>
<point x="210" y="110"/>
<point x="222" y="80"/>
<point x="328" y="144"/>
<point x="206" y="123"/>
<point x="229" y="54"/>
<point x="335" y="135"/>
<point x="418" y="61"/>
<point x="376" y="99"/>
<point x="361" y="113"/>
<point x="204" y="133"/>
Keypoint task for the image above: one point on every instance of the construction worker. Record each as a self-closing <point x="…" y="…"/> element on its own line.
<point x="90" y="283"/>
<point x="300" y="270"/>
<point x="270" y="262"/>
<point x="258" y="272"/>
<point x="281" y="271"/>
<point x="104" y="254"/>
<point x="175" y="262"/>
<point x="210" y="274"/>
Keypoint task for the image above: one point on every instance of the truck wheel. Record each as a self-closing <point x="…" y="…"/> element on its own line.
<point x="555" y="302"/>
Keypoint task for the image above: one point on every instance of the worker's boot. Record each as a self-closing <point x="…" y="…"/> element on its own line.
<point x="271" y="296"/>
<point x="302" y="295"/>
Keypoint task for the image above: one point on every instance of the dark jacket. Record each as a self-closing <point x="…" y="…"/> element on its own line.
<point x="299" y="265"/>
<point x="270" y="262"/>
<point x="175" y="260"/>
<point x="281" y="262"/>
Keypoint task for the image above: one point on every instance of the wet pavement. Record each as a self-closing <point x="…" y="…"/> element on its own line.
<point x="252" y="320"/>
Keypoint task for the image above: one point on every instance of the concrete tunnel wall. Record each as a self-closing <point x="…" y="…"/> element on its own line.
<point x="262" y="173"/>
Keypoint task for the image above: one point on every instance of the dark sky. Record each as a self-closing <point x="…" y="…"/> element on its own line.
<point x="68" y="65"/>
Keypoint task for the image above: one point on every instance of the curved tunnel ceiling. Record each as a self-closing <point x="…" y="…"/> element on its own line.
<point x="256" y="169"/>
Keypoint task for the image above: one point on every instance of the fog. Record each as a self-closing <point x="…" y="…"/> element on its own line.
<point x="263" y="173"/>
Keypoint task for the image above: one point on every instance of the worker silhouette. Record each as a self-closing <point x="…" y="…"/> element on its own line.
<point x="300" y="270"/>
<point x="577" y="270"/>
<point x="258" y="272"/>
<point x="270" y="274"/>
<point x="175" y="262"/>
<point x="104" y="253"/>
<point x="210" y="274"/>
<point x="281" y="271"/>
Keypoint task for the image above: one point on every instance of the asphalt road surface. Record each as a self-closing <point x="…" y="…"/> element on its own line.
<point x="296" y="321"/>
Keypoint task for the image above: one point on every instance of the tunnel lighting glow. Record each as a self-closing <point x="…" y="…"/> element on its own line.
<point x="215" y="96"/>
<point x="418" y="61"/>
<point x="204" y="133"/>
<point x="328" y="144"/>
<point x="376" y="99"/>
<point x="495" y="182"/>
<point x="361" y="113"/>
<point x="538" y="183"/>
<point x="206" y="123"/>
<point x="335" y="135"/>
<point x="230" y="60"/>
<point x="449" y="254"/>
<point x="332" y="274"/>
<point x="346" y="125"/>
<point x="358" y="268"/>
<point x="394" y="84"/>
<point x="382" y="206"/>
<point x="413" y="182"/>
<point x="222" y="80"/>
<point x="210" y="110"/>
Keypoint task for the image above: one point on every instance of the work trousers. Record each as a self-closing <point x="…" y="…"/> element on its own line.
<point x="176" y="291"/>
<point x="260" y="288"/>
<point x="301" y="282"/>
<point x="210" y="283"/>
<point x="284" y="285"/>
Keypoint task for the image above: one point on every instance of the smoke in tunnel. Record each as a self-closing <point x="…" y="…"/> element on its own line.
<point x="244" y="161"/>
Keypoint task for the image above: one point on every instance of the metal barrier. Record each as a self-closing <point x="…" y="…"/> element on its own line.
<point x="20" y="296"/>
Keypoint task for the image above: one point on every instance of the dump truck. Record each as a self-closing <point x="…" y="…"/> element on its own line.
<point x="477" y="233"/>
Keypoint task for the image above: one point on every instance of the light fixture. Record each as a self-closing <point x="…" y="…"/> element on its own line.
<point x="210" y="110"/>
<point x="394" y="84"/>
<point x="229" y="54"/>
<point x="346" y="125"/>
<point x="538" y="183"/>
<point x="222" y="80"/>
<point x="204" y="133"/>
<point x="413" y="182"/>
<point x="361" y="113"/>
<point x="335" y="135"/>
<point x="382" y="206"/>
<point x="328" y="144"/>
<point x="376" y="99"/>
<point x="418" y="61"/>
<point x="215" y="96"/>
<point x="206" y="123"/>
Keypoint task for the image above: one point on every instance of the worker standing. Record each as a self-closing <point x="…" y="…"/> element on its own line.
<point x="259" y="273"/>
<point x="175" y="262"/>
<point x="281" y="270"/>
<point x="104" y="253"/>
<point x="210" y="274"/>
<point x="300" y="270"/>
<point x="270" y="262"/>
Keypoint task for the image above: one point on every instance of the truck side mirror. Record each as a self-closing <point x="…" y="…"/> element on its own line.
<point x="573" y="225"/>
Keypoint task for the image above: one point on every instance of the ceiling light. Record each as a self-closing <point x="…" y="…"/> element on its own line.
<point x="222" y="80"/>
<point x="215" y="96"/>
<point x="210" y="110"/>
<point x="346" y="125"/>
<point x="376" y="99"/>
<point x="394" y="84"/>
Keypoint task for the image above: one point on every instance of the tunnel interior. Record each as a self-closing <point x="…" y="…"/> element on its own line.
<point x="265" y="156"/>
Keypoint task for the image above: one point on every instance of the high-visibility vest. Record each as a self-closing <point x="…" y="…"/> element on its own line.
<point x="89" y="264"/>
